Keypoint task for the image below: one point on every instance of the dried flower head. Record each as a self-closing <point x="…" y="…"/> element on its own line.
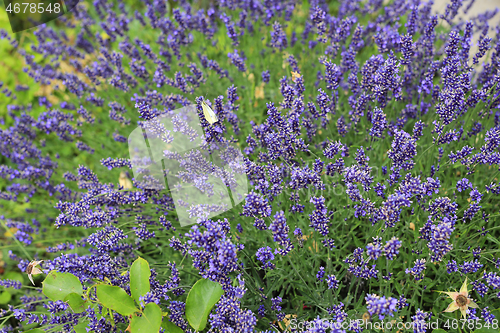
<point x="33" y="270"/>
<point x="460" y="299"/>
<point x="295" y="76"/>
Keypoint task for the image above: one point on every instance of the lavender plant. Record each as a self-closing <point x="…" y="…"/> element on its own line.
<point x="371" y="137"/>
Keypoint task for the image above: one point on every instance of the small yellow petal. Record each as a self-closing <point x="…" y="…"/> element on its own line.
<point x="464" y="312"/>
<point x="295" y="76"/>
<point x="31" y="279"/>
<point x="464" y="288"/>
<point x="473" y="304"/>
<point x="452" y="294"/>
<point x="36" y="271"/>
<point x="452" y="307"/>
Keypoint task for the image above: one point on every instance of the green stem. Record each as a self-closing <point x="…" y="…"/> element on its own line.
<point x="458" y="319"/>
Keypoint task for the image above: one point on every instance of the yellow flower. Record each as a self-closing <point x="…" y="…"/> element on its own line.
<point x="259" y="91"/>
<point x="460" y="299"/>
<point x="295" y="76"/>
<point x="124" y="181"/>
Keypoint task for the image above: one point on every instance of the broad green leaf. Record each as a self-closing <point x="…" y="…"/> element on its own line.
<point x="439" y="330"/>
<point x="149" y="322"/>
<point x="116" y="298"/>
<point x="492" y="239"/>
<point x="76" y="302"/>
<point x="139" y="278"/>
<point x="170" y="327"/>
<point x="57" y="285"/>
<point x="5" y="297"/>
<point x="81" y="327"/>
<point x="201" y="298"/>
<point x="35" y="330"/>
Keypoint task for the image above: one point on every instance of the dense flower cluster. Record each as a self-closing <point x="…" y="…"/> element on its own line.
<point x="381" y="306"/>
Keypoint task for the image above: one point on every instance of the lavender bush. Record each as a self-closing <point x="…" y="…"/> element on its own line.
<point x="371" y="137"/>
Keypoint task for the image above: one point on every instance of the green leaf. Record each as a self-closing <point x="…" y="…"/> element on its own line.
<point x="170" y="327"/>
<point x="438" y="331"/>
<point x="492" y="239"/>
<point x="149" y="322"/>
<point x="5" y="297"/>
<point x="81" y="327"/>
<point x="201" y="298"/>
<point x="76" y="302"/>
<point x="57" y="285"/>
<point x="35" y="330"/>
<point x="139" y="278"/>
<point x="116" y="298"/>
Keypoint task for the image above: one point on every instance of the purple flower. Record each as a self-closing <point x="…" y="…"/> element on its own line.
<point x="332" y="281"/>
<point x="420" y="321"/>
<point x="237" y="60"/>
<point x="381" y="306"/>
<point x="379" y="123"/>
<point x="407" y="49"/>
<point x="463" y="184"/>
<point x="256" y="205"/>
<point x="280" y="230"/>
<point x="231" y="30"/>
<point x="265" y="255"/>
<point x="487" y="316"/>
<point x="391" y="248"/>
<point x="278" y="37"/>
<point x="321" y="273"/>
<point x="266" y="76"/>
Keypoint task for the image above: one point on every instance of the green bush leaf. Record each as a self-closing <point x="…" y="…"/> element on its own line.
<point x="149" y="322"/>
<point x="81" y="327"/>
<point x="57" y="285"/>
<point x="76" y="302"/>
<point x="170" y="327"/>
<point x="116" y="298"/>
<point x="201" y="298"/>
<point x="139" y="278"/>
<point x="5" y="297"/>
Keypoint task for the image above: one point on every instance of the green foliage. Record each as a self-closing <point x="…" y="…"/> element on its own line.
<point x="76" y="302"/>
<point x="486" y="330"/>
<point x="169" y="327"/>
<point x="115" y="298"/>
<point x="67" y="287"/>
<point x="57" y="286"/>
<point x="81" y="327"/>
<point x="139" y="278"/>
<point x="150" y="321"/>
<point x="201" y="299"/>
